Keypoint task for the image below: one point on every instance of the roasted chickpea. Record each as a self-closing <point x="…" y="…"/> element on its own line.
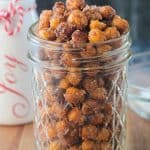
<point x="69" y="60"/>
<point x="121" y="24"/>
<point x="107" y="12"/>
<point x="112" y="33"/>
<point x="88" y="145"/>
<point x="92" y="12"/>
<point x="90" y="84"/>
<point x="54" y="22"/>
<point x="89" y="51"/>
<point x="89" y="132"/>
<point x="77" y="19"/>
<point x="90" y="107"/>
<point x="96" y="24"/>
<point x="75" y="115"/>
<point x="62" y="128"/>
<point x="45" y="19"/>
<point x="64" y="84"/>
<point x="57" y="110"/>
<point x="52" y="134"/>
<point x="75" y="4"/>
<point x="64" y="32"/>
<point x="74" y="95"/>
<point x="96" y="35"/>
<point x="47" y="34"/>
<point x="56" y="145"/>
<point x="59" y="8"/>
<point x="74" y="148"/>
<point x="74" y="77"/>
<point x="96" y="119"/>
<point x="104" y="135"/>
<point x="103" y="48"/>
<point x="79" y="38"/>
<point x="99" y="94"/>
<point x="105" y="146"/>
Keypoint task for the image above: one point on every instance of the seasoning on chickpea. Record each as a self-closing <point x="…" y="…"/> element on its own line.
<point x="103" y="48"/>
<point x="59" y="8"/>
<point x="88" y="145"/>
<point x="79" y="39"/>
<point x="99" y="94"/>
<point x="96" y="35"/>
<point x="88" y="51"/>
<point x="47" y="34"/>
<point x="74" y="78"/>
<point x="89" y="132"/>
<point x="56" y="145"/>
<point x="92" y="12"/>
<point x="77" y="19"/>
<point x="45" y="19"/>
<point x="112" y="33"/>
<point x="64" y="84"/>
<point x="104" y="135"/>
<point x="74" y="95"/>
<point x="75" y="4"/>
<point x="121" y="24"/>
<point x="107" y="12"/>
<point x="96" y="119"/>
<point x="96" y="24"/>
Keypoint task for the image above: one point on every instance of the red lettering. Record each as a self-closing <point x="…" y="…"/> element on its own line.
<point x="14" y="62"/>
<point x="10" y="78"/>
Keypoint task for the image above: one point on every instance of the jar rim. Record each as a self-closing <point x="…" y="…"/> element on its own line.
<point x="124" y="49"/>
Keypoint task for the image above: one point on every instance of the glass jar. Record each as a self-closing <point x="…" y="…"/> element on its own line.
<point x="80" y="101"/>
<point x="139" y="85"/>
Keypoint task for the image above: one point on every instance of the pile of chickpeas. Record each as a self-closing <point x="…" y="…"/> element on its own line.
<point x="76" y="107"/>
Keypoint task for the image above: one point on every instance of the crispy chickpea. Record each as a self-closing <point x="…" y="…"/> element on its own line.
<point x="57" y="110"/>
<point x="107" y="107"/>
<point x="96" y="24"/>
<point x="74" y="77"/>
<point x="96" y="119"/>
<point x="90" y="84"/>
<point x="112" y="33"/>
<point x="75" y="115"/>
<point x="47" y="34"/>
<point x="77" y="19"/>
<point x="62" y="128"/>
<point x="45" y="19"/>
<point x="121" y="24"/>
<point x="79" y="38"/>
<point x="103" y="48"/>
<point x="104" y="135"/>
<point x="59" y="8"/>
<point x="74" y="148"/>
<point x="74" y="95"/>
<point x="92" y="12"/>
<point x="107" y="12"/>
<point x="90" y="107"/>
<point x="64" y="32"/>
<point x="56" y="145"/>
<point x="99" y="94"/>
<point x="89" y="51"/>
<point x="96" y="35"/>
<point x="69" y="60"/>
<point x="75" y="4"/>
<point x="52" y="132"/>
<point x="105" y="146"/>
<point x="89" y="132"/>
<point x="64" y="84"/>
<point x="88" y="145"/>
<point x="54" y="22"/>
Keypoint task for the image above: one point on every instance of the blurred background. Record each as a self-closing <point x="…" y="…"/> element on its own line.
<point x="135" y="11"/>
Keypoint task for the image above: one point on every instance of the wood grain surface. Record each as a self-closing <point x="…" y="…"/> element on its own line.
<point x="21" y="137"/>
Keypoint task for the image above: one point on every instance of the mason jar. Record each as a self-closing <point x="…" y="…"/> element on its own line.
<point x="79" y="101"/>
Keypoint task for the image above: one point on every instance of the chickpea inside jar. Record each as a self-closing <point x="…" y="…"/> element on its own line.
<point x="80" y="55"/>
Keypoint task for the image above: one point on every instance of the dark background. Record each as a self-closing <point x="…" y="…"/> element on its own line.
<point x="136" y="11"/>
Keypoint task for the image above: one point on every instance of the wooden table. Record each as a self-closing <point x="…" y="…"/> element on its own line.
<point x="21" y="137"/>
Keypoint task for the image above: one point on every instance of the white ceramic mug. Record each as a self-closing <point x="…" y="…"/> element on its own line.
<point x="15" y="71"/>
